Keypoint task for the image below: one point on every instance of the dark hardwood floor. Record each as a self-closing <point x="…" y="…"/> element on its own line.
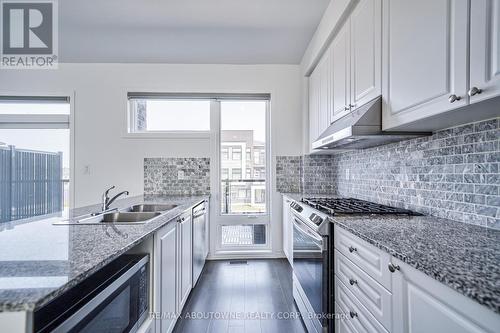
<point x="243" y="298"/>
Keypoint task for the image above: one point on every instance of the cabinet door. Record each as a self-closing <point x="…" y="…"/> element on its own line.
<point x="366" y="52"/>
<point x="424" y="58"/>
<point x="341" y="73"/>
<point x="325" y="91"/>
<point x="167" y="250"/>
<point x="422" y="305"/>
<point x="313" y="106"/>
<point x="287" y="230"/>
<point x="485" y="49"/>
<point x="185" y="260"/>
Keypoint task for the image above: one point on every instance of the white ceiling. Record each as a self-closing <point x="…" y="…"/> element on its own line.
<point x="187" y="31"/>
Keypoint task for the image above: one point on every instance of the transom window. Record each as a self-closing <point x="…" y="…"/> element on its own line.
<point x="157" y="114"/>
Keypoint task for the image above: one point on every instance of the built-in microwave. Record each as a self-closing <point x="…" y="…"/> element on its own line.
<point x="114" y="299"/>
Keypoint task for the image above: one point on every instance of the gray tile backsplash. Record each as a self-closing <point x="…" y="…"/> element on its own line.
<point x="289" y="174"/>
<point x="317" y="175"/>
<point x="452" y="174"/>
<point x="177" y="176"/>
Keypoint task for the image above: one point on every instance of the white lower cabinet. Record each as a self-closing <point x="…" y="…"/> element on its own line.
<point x="173" y="271"/>
<point x="287" y="230"/>
<point x="185" y="266"/>
<point x="422" y="305"/>
<point x="165" y="288"/>
<point x="412" y="302"/>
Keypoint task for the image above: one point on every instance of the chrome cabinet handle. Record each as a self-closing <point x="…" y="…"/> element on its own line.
<point x="353" y="314"/>
<point x="347" y="108"/>
<point x="393" y="267"/>
<point x="352" y="249"/>
<point x="453" y="98"/>
<point x="474" y="91"/>
<point x="352" y="106"/>
<point x="353" y="282"/>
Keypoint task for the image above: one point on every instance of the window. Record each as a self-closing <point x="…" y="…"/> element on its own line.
<point x="248" y="173"/>
<point x="236" y="154"/>
<point x="35" y="153"/>
<point x="260" y="196"/>
<point x="224" y="154"/>
<point x="256" y="157"/>
<point x="236" y="174"/>
<point x="156" y="114"/>
<point x="224" y="173"/>
<point x="249" y="154"/>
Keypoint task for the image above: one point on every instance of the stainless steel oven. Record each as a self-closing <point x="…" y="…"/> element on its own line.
<point x="313" y="290"/>
<point x="114" y="299"/>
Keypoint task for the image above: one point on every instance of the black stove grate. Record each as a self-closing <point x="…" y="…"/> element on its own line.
<point x="353" y="206"/>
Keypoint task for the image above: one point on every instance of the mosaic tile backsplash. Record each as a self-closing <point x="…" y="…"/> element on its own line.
<point x="289" y="174"/>
<point x="452" y="174"/>
<point x="177" y="176"/>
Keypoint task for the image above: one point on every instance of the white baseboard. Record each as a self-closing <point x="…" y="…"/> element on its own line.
<point x="246" y="255"/>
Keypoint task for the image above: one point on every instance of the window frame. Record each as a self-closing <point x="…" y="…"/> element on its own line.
<point x="45" y="121"/>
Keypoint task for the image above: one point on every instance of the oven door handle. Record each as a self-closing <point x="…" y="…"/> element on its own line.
<point x="306" y="230"/>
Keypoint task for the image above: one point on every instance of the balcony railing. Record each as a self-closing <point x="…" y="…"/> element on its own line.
<point x="31" y="183"/>
<point x="253" y="200"/>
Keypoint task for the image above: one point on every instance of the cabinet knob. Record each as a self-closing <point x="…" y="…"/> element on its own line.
<point x="393" y="268"/>
<point x="453" y="98"/>
<point x="347" y="108"/>
<point x="353" y="282"/>
<point x="353" y="314"/>
<point x="474" y="91"/>
<point x="352" y="106"/>
<point x="352" y="249"/>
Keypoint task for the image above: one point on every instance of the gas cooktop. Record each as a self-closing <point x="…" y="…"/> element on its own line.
<point x="334" y="206"/>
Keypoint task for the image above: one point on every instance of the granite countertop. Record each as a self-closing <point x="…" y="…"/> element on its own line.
<point x="39" y="260"/>
<point x="463" y="256"/>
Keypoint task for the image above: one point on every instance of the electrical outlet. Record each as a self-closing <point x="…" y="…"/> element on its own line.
<point x="86" y="170"/>
<point x="180" y="174"/>
<point x="347" y="174"/>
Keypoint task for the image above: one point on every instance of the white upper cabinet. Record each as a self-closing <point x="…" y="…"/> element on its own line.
<point x="484" y="50"/>
<point x="366" y="52"/>
<point x="325" y="91"/>
<point x="341" y="72"/>
<point x="313" y="106"/>
<point x="424" y="58"/>
<point x="349" y="72"/>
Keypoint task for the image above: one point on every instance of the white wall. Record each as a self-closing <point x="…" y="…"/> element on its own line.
<point x="100" y="111"/>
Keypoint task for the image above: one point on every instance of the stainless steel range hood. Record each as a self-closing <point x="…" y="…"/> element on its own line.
<point x="361" y="128"/>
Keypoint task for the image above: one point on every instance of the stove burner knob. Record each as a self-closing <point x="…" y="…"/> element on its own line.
<point x="352" y="249"/>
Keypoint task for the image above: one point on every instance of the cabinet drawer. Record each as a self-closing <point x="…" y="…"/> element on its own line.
<point x="341" y="322"/>
<point x="357" y="315"/>
<point x="368" y="291"/>
<point x="371" y="260"/>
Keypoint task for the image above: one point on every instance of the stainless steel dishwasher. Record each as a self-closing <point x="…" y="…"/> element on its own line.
<point x="200" y="239"/>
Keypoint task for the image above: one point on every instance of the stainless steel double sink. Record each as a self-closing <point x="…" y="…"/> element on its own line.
<point x="137" y="214"/>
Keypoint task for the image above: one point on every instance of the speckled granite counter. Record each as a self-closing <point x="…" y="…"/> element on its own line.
<point x="463" y="256"/>
<point x="39" y="260"/>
